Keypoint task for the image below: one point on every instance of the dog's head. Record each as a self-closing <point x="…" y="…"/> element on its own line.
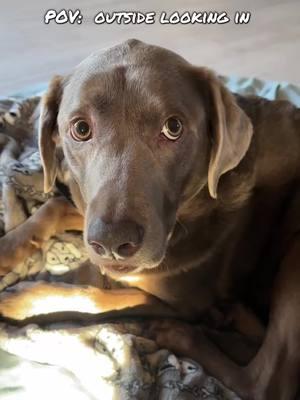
<point x="142" y="131"/>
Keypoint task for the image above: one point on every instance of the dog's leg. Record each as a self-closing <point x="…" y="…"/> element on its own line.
<point x="31" y="299"/>
<point x="274" y="372"/>
<point x="14" y="213"/>
<point x="238" y="347"/>
<point x="55" y="216"/>
<point x="189" y="341"/>
<point x="235" y="317"/>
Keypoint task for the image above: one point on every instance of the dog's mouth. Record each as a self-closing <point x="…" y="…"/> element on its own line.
<point x="119" y="269"/>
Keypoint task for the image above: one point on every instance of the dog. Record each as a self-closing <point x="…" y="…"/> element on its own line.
<point x="185" y="192"/>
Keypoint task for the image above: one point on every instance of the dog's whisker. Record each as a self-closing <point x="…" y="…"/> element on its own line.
<point x="181" y="224"/>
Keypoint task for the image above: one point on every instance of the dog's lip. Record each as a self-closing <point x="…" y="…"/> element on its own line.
<point x="120" y="268"/>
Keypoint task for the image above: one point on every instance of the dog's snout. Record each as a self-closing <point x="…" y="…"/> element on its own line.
<point x="118" y="240"/>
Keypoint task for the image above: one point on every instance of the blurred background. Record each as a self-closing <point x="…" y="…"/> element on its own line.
<point x="267" y="47"/>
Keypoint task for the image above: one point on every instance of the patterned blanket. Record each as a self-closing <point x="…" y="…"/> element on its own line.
<point x="80" y="361"/>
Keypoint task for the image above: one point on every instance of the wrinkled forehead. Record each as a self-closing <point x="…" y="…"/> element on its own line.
<point x="148" y="78"/>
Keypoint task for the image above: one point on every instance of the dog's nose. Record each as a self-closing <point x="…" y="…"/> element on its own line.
<point x="118" y="240"/>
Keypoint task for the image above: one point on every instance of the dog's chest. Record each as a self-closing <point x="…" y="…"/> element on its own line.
<point x="190" y="293"/>
<point x="223" y="268"/>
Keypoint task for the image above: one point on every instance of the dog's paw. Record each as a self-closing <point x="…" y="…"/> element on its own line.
<point x="178" y="337"/>
<point x="15" y="247"/>
<point x="17" y="302"/>
<point x="10" y="306"/>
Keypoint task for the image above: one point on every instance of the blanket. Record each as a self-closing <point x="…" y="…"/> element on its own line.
<point x="101" y="361"/>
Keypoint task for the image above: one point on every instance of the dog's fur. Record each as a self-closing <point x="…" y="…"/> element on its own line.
<point x="219" y="207"/>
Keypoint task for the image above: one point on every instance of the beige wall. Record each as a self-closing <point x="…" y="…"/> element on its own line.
<point x="268" y="46"/>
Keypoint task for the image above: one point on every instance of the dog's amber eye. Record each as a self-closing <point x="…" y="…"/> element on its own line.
<point x="172" y="128"/>
<point x="81" y="130"/>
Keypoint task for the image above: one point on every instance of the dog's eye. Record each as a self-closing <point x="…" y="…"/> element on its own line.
<point x="81" y="130"/>
<point x="172" y="128"/>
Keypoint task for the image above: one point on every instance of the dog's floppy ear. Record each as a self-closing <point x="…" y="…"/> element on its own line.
<point x="48" y="132"/>
<point x="230" y="128"/>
